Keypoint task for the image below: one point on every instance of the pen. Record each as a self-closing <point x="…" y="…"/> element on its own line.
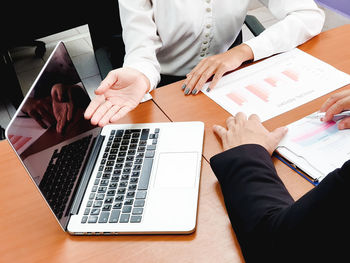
<point x="336" y="117"/>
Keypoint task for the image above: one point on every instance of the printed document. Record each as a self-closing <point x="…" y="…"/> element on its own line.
<point x="315" y="147"/>
<point x="276" y="85"/>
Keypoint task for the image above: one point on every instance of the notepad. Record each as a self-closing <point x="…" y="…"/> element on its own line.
<point x="315" y="147"/>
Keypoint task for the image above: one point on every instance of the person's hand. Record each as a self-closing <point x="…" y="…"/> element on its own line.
<point x="241" y="130"/>
<point x="120" y="92"/>
<point x="40" y="110"/>
<point x="335" y="104"/>
<point x="216" y="65"/>
<point x="62" y="105"/>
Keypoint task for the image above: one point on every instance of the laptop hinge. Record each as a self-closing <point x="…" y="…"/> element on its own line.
<point x="90" y="165"/>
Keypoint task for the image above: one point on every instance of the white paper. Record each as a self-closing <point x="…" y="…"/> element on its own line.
<point x="316" y="147"/>
<point x="276" y="85"/>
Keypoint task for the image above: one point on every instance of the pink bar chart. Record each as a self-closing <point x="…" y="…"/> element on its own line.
<point x="259" y="92"/>
<point x="291" y="74"/>
<point x="271" y="81"/>
<point x="235" y="97"/>
<point x="316" y="133"/>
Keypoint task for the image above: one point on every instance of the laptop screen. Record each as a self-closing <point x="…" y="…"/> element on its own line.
<point x="47" y="130"/>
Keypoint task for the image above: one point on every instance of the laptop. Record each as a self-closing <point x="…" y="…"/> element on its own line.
<point x="119" y="179"/>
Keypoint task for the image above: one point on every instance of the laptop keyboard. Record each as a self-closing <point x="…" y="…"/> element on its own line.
<point x="61" y="174"/>
<point x="120" y="187"/>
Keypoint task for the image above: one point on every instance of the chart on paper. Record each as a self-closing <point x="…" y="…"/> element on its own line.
<point x="276" y="85"/>
<point x="312" y="144"/>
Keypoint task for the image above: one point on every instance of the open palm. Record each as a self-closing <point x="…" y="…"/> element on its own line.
<point x="120" y="92"/>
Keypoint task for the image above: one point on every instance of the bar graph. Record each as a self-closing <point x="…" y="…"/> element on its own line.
<point x="272" y="81"/>
<point x="259" y="92"/>
<point x="236" y="98"/>
<point x="291" y="74"/>
<point x="315" y="133"/>
<point x="276" y="85"/>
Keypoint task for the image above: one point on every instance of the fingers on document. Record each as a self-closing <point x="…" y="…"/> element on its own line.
<point x="337" y="107"/>
<point x="335" y="104"/>
<point x="254" y="117"/>
<point x="199" y="76"/>
<point x="344" y="124"/>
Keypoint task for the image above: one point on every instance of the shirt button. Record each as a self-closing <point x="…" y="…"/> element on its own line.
<point x="208" y="9"/>
<point x="206" y="35"/>
<point x="202" y="55"/>
<point x="204" y="49"/>
<point x="208" y="26"/>
<point x="205" y="42"/>
<point x="208" y="1"/>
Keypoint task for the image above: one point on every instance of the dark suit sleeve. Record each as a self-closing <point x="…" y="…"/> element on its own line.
<point x="267" y="221"/>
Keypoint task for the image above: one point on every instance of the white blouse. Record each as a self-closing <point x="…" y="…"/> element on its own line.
<point x="172" y="36"/>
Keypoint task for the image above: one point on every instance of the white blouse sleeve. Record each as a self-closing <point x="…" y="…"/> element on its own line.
<point x="300" y="20"/>
<point x="140" y="38"/>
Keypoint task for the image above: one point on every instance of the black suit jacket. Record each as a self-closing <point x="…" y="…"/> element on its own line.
<point x="270" y="226"/>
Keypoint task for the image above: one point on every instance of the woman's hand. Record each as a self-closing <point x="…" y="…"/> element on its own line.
<point x="241" y="130"/>
<point x="216" y="65"/>
<point x="120" y="92"/>
<point x="335" y="104"/>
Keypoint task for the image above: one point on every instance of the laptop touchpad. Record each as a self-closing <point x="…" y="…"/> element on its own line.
<point x="176" y="170"/>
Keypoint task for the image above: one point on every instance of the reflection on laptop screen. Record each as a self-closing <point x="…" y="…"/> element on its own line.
<point x="41" y="133"/>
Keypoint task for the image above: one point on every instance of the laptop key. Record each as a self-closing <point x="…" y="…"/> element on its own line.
<point x="106" y="207"/>
<point x="104" y="217"/>
<point x="135" y="219"/>
<point x="95" y="211"/>
<point x="145" y="174"/>
<point x="84" y="219"/>
<point x="100" y="196"/>
<point x="151" y="147"/>
<point x="124" y="218"/>
<point x="133" y="180"/>
<point x="119" y="198"/>
<point x="92" y="219"/>
<point x="141" y="194"/>
<point x="119" y="133"/>
<point x="139" y="203"/>
<point x="117" y="206"/>
<point x="144" y="134"/>
<point x="97" y="203"/>
<point x="127" y="209"/>
<point x="149" y="154"/>
<point x="114" y="216"/>
<point x="137" y="211"/>
<point x="128" y="201"/>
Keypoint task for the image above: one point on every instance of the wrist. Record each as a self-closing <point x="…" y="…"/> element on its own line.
<point x="147" y="82"/>
<point x="246" y="52"/>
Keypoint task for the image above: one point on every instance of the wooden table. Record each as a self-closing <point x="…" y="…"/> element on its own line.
<point x="30" y="233"/>
<point x="330" y="46"/>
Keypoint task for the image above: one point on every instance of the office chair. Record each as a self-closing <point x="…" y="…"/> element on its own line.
<point x="2" y="133"/>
